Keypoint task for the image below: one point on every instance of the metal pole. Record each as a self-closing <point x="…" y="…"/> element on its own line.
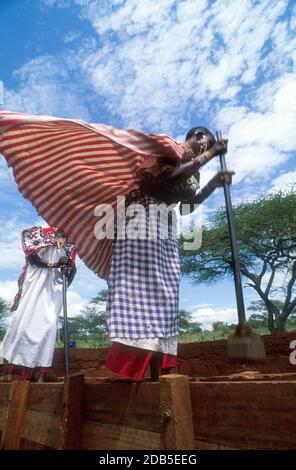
<point x="233" y="244"/>
<point x="66" y="350"/>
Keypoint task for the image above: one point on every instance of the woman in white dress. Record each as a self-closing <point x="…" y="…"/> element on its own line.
<point x="30" y="339"/>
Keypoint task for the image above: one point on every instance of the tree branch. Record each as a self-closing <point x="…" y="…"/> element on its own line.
<point x="270" y="281"/>
<point x="263" y="271"/>
<point x="290" y="287"/>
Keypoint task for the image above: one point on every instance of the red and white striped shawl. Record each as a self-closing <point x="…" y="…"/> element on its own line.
<point x="66" y="167"/>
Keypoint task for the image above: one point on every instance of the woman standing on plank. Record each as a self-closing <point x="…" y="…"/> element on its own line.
<point x="30" y="340"/>
<point x="143" y="283"/>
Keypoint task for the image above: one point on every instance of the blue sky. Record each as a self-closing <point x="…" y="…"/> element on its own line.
<point x="161" y="66"/>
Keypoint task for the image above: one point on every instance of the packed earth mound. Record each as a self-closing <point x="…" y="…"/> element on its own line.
<point x="206" y="359"/>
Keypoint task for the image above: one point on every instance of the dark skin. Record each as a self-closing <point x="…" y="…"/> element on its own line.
<point x="155" y="367"/>
<point x="216" y="182"/>
<point x="214" y="148"/>
<point x="175" y="174"/>
<point x="201" y="158"/>
<point x="65" y="264"/>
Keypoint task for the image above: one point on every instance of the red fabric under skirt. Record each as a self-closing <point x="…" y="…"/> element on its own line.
<point x="25" y="373"/>
<point x="132" y="362"/>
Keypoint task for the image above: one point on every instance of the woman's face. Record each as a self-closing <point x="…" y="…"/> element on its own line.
<point x="60" y="233"/>
<point x="200" y="142"/>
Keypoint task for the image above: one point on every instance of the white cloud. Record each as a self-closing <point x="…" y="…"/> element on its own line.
<point x="75" y="303"/>
<point x="8" y="290"/>
<point x="199" y="306"/>
<point x="85" y="286"/>
<point x="164" y="53"/>
<point x="162" y="66"/>
<point x="3" y="174"/>
<point x="71" y="36"/>
<point x="10" y="244"/>
<point x="274" y="129"/>
<point x="207" y="315"/>
<point x="12" y="255"/>
<point x="57" y="3"/>
<point x="260" y="141"/>
<point x="284" y="181"/>
<point x="255" y="161"/>
<point x="86" y="282"/>
<point x="47" y="86"/>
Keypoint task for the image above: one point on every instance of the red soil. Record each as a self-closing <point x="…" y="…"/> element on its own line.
<point x="205" y="359"/>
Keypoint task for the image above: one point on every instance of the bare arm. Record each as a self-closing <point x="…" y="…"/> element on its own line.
<point x="203" y="194"/>
<point x="34" y="259"/>
<point x="187" y="169"/>
<point x="216" y="182"/>
<point x="67" y="267"/>
<point x="71" y="274"/>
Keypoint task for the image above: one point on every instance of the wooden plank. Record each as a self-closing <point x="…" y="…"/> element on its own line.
<point x="246" y="415"/>
<point x="176" y="413"/>
<point x="3" y="414"/>
<point x="249" y="375"/>
<point x="11" y="435"/>
<point x="4" y="403"/>
<point x="4" y="392"/>
<point x="42" y="428"/>
<point x="46" y="398"/>
<point x="98" y="436"/>
<point x="71" y="427"/>
<point x="204" y="445"/>
<point x="26" y="444"/>
<point x="124" y="403"/>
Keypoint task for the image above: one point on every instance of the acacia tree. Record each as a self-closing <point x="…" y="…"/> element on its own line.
<point x="186" y="324"/>
<point x="96" y="318"/>
<point x="91" y="324"/>
<point x="266" y="234"/>
<point x="259" y="315"/>
<point x="3" y="317"/>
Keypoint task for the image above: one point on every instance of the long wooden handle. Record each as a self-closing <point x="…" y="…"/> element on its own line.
<point x="66" y="350"/>
<point x="233" y="244"/>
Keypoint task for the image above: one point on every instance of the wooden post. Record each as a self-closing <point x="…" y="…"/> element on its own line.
<point x="73" y="396"/>
<point x="13" y="426"/>
<point x="176" y="413"/>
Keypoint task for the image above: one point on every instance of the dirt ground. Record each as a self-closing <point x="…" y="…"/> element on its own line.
<point x="210" y="358"/>
<point x="207" y="359"/>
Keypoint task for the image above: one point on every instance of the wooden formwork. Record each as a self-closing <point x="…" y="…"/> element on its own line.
<point x="41" y="415"/>
<point x="175" y="413"/>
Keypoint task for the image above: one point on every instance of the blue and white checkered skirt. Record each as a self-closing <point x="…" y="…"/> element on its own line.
<point x="143" y="285"/>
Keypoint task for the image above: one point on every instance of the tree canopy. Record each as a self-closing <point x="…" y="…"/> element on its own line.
<point x="3" y="317"/>
<point x="266" y="237"/>
<point x="90" y="326"/>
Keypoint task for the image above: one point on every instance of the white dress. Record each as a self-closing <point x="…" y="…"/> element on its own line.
<point x="30" y="339"/>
